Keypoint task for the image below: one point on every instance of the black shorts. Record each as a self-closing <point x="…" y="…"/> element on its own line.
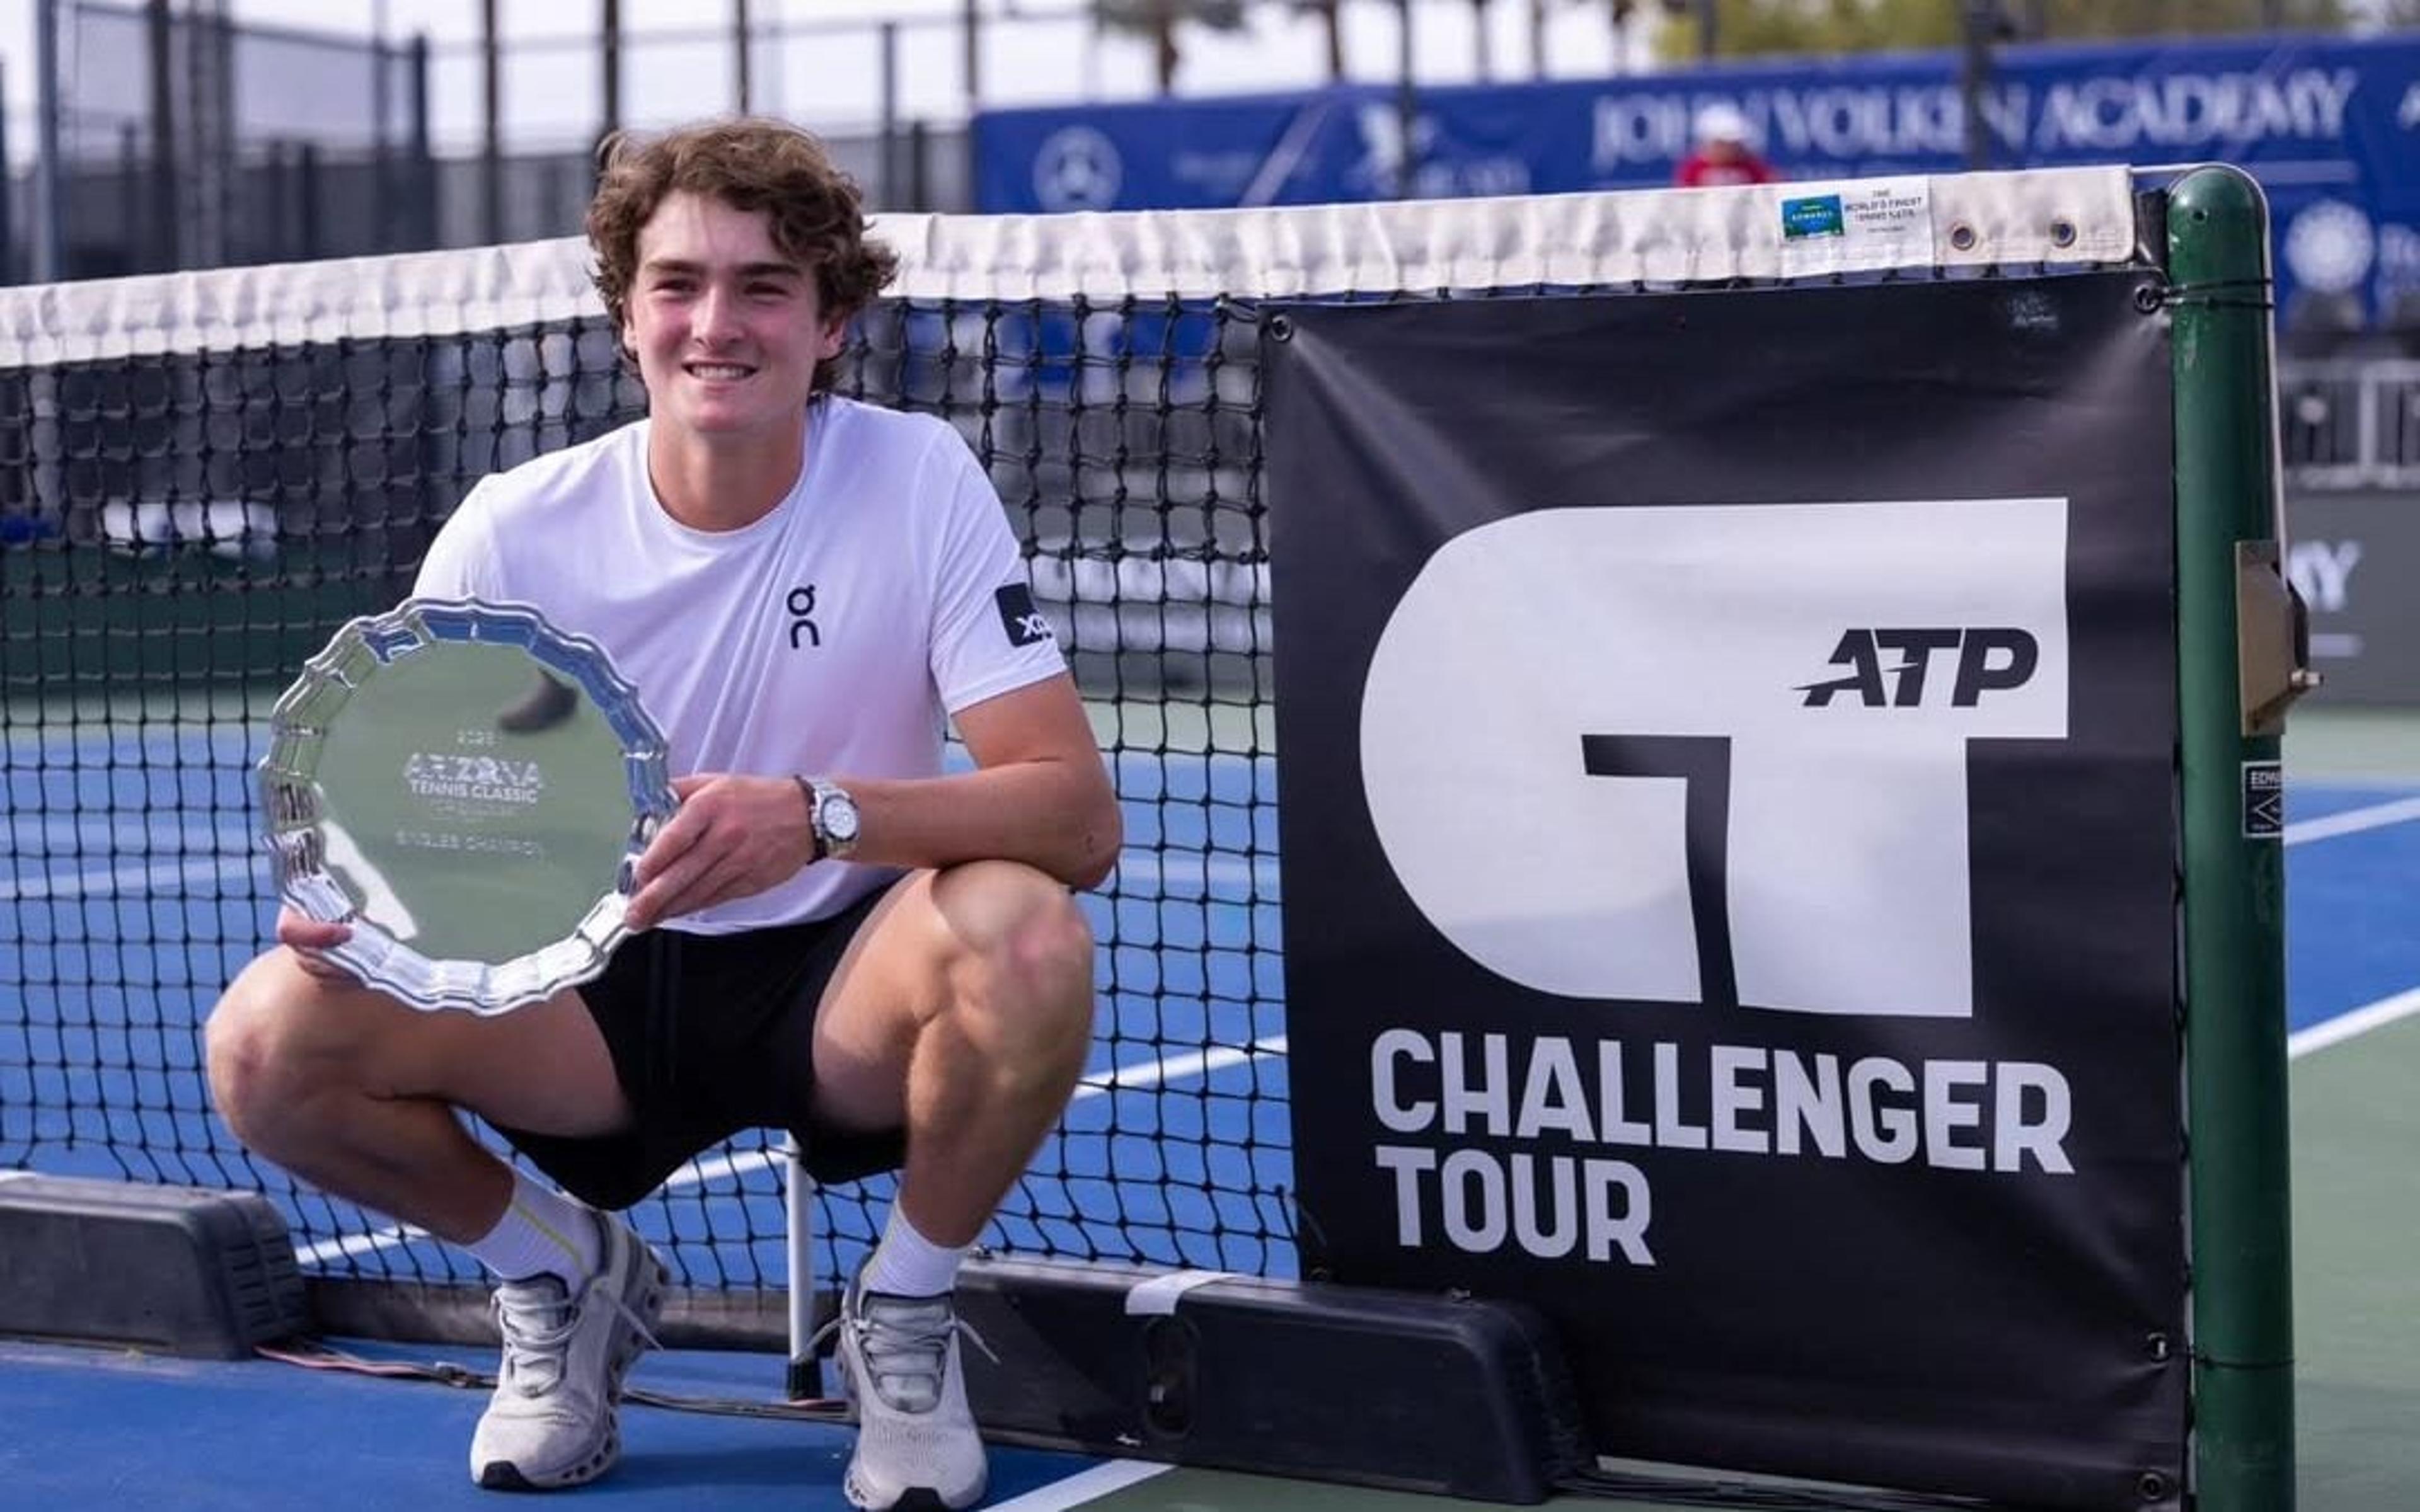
<point x="711" y="1034"/>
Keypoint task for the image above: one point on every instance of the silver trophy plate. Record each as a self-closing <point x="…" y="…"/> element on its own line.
<point x="470" y="788"/>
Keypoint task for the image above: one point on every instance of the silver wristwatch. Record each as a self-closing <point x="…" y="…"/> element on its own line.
<point x="834" y="814"/>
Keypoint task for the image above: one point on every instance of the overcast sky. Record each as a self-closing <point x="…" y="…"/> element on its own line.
<point x="829" y="71"/>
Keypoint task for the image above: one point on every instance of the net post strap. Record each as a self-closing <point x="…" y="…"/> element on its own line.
<point x="799" y="1202"/>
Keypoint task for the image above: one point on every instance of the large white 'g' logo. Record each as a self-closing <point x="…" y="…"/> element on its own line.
<point x="1563" y="696"/>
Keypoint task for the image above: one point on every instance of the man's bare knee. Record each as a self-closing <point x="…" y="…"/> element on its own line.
<point x="1025" y="950"/>
<point x="274" y="1046"/>
<point x="1052" y="950"/>
<point x="1014" y="916"/>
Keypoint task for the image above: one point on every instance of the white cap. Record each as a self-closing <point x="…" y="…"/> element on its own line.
<point x="1722" y="123"/>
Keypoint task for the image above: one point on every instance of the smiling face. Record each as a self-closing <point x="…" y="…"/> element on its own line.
<point x="728" y="331"/>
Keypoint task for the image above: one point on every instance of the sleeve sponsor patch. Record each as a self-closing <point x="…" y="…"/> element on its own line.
<point x="1024" y="624"/>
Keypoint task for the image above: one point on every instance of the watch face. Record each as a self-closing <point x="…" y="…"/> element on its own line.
<point x="840" y="818"/>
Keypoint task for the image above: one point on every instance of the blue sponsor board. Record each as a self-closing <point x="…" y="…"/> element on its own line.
<point x="2331" y="126"/>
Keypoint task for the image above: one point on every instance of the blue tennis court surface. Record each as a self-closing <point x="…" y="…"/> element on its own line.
<point x="134" y="886"/>
<point x="199" y="1437"/>
<point x="2351" y="936"/>
<point x="124" y="923"/>
<point x="127" y="922"/>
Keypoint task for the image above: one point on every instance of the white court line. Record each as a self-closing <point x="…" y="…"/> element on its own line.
<point x="1222" y="871"/>
<point x="1196" y="1063"/>
<point x="369" y="1244"/>
<point x="1151" y="1073"/>
<point x="130" y="879"/>
<point x="1215" y="868"/>
<point x="2353" y="821"/>
<point x="2370" y="1016"/>
<point x="698" y="1173"/>
<point x="1219" y="870"/>
<point x="1082" y="1487"/>
<point x="2319" y="1037"/>
<point x="2346" y="1025"/>
<point x="1122" y="1079"/>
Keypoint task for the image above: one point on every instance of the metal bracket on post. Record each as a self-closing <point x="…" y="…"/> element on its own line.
<point x="805" y="1379"/>
<point x="2273" y="640"/>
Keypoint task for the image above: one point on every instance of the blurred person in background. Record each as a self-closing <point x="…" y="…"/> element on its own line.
<point x="1725" y="153"/>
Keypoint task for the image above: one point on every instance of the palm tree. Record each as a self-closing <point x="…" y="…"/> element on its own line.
<point x="1331" y="13"/>
<point x="1157" y="20"/>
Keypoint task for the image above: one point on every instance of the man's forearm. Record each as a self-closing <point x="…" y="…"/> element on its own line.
<point x="1054" y="815"/>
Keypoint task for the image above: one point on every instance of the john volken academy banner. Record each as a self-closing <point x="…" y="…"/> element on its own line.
<point x="1728" y="860"/>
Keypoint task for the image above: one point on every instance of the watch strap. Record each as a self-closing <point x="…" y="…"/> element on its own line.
<point x="814" y="817"/>
<point x="821" y="795"/>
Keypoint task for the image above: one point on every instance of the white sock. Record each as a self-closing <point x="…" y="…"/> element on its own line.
<point x="542" y="1230"/>
<point x="906" y="1264"/>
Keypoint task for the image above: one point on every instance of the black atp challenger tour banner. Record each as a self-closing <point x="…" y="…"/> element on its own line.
<point x="1727" y="859"/>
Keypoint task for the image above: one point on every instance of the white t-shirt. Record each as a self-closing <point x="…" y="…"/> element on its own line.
<point x="884" y="592"/>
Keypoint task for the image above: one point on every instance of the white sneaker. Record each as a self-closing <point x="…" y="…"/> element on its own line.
<point x="917" y="1448"/>
<point x="552" y="1421"/>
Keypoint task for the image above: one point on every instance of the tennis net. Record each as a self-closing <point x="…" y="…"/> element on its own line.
<point x="203" y="476"/>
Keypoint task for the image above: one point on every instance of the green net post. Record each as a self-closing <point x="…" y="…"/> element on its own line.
<point x="2228" y="605"/>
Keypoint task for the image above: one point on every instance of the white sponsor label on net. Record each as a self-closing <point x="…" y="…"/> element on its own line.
<point x="1867" y="223"/>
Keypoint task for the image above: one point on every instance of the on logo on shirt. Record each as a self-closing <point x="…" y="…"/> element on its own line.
<point x="802" y="604"/>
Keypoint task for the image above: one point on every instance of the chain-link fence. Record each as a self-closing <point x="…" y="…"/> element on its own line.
<point x="918" y="167"/>
<point x="2351" y="423"/>
<point x="184" y="139"/>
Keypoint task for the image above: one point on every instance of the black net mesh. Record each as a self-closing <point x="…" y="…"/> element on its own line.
<point x="179" y="532"/>
<point x="182" y="531"/>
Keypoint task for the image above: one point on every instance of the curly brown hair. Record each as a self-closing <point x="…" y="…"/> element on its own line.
<point x="749" y="163"/>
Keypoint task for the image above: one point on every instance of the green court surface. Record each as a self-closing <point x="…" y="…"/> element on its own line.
<point x="2357" y="1271"/>
<point x="2350" y="745"/>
